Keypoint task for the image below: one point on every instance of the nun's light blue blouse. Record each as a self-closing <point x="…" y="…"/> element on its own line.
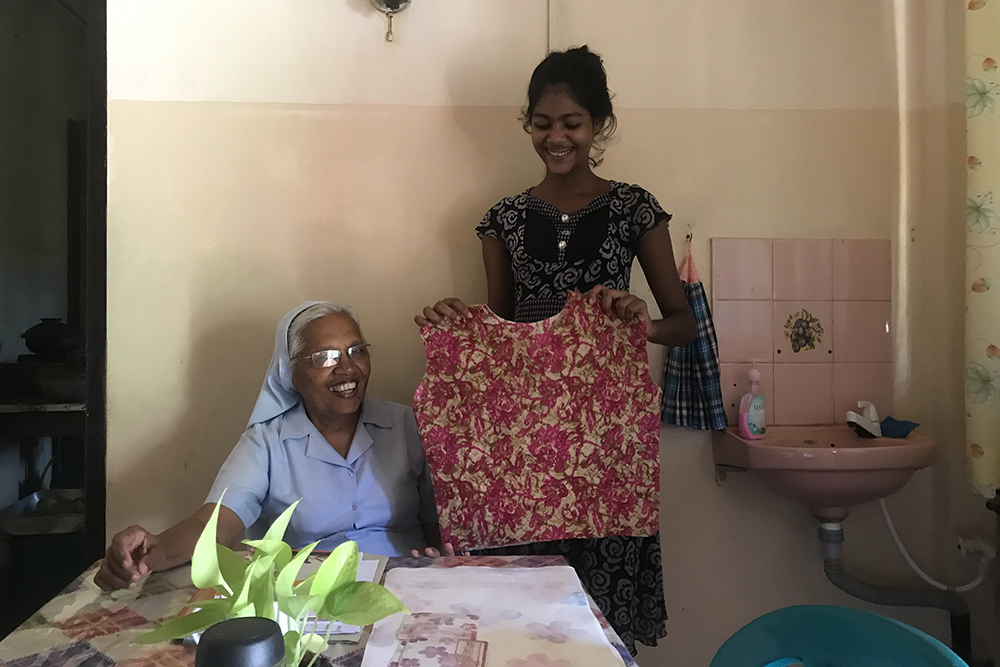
<point x="378" y="496"/>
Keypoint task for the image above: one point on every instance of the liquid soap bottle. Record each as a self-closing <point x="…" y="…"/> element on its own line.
<point x="752" y="409"/>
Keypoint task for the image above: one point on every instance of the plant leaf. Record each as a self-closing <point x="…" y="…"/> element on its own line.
<point x="261" y="574"/>
<point x="258" y="569"/>
<point x="246" y="611"/>
<point x="284" y="586"/>
<point x="282" y="552"/>
<point x="182" y="626"/>
<point x="361" y="603"/>
<point x="232" y="566"/>
<point x="305" y="583"/>
<point x="291" y="647"/>
<point x="339" y="569"/>
<point x="263" y="597"/>
<point x="314" y="643"/>
<point x="300" y="603"/>
<point x="277" y="530"/>
<point x="205" y="571"/>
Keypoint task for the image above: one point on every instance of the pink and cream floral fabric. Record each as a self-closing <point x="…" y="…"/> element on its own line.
<point x="543" y="431"/>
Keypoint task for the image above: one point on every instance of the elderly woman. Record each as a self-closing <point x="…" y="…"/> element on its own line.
<point x="355" y="461"/>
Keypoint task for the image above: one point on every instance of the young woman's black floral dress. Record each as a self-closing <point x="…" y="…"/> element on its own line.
<point x="551" y="254"/>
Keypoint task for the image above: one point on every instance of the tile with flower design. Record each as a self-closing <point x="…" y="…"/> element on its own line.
<point x="803" y="332"/>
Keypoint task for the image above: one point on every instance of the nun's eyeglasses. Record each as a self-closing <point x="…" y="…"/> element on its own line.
<point x="330" y="358"/>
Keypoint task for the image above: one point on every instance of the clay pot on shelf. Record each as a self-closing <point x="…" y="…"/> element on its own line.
<point x="51" y="338"/>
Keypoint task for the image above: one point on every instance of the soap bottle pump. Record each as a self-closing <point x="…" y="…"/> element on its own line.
<point x="752" y="415"/>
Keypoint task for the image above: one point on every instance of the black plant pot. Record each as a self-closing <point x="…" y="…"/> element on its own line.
<point x="241" y="642"/>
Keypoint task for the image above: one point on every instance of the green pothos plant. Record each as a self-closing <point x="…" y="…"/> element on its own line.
<point x="265" y="585"/>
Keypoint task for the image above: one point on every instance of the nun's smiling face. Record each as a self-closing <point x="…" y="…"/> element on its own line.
<point x="337" y="389"/>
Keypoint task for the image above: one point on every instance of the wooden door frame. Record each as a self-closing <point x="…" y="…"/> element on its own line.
<point x="96" y="263"/>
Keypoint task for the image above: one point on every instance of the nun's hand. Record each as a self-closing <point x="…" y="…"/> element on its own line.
<point x="433" y="552"/>
<point x="623" y="305"/>
<point x="450" y="308"/>
<point x="126" y="562"/>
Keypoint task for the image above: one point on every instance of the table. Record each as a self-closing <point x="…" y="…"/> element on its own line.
<point x="85" y="627"/>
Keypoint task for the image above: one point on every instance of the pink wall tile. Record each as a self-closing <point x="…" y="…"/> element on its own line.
<point x="735" y="384"/>
<point x="862" y="331"/>
<point x="744" y="330"/>
<point x="862" y="270"/>
<point x="861" y="382"/>
<point x="741" y="269"/>
<point x="803" y="394"/>
<point x="783" y="350"/>
<point x="803" y="270"/>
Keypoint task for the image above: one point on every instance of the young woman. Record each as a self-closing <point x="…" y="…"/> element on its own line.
<point x="577" y="231"/>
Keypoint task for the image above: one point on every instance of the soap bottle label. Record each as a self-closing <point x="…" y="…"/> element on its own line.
<point x="755" y="415"/>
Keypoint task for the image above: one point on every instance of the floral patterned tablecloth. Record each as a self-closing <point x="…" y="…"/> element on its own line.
<point x="85" y="627"/>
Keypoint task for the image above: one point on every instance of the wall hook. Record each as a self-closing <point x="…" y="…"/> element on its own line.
<point x="390" y="8"/>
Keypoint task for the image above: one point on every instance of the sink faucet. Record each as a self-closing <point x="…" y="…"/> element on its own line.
<point x="865" y="424"/>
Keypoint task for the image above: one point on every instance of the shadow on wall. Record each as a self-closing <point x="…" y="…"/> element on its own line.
<point x="512" y="164"/>
<point x="232" y="331"/>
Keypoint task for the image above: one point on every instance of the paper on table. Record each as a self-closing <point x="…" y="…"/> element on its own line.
<point x="520" y="617"/>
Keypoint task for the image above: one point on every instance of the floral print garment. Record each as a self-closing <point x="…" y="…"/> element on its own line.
<point x="543" y="431"/>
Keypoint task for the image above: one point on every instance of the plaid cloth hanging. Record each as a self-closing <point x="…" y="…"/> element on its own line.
<point x="692" y="389"/>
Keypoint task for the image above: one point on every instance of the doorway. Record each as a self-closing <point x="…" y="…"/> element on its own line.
<point x="53" y="138"/>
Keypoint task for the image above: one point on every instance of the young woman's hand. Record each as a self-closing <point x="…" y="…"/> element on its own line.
<point x="623" y="305"/>
<point x="450" y="308"/>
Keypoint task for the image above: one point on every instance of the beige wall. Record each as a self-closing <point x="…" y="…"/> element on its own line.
<point x="263" y="155"/>
<point x="445" y="52"/>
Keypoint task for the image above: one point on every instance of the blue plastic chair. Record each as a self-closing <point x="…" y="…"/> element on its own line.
<point x="822" y="636"/>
